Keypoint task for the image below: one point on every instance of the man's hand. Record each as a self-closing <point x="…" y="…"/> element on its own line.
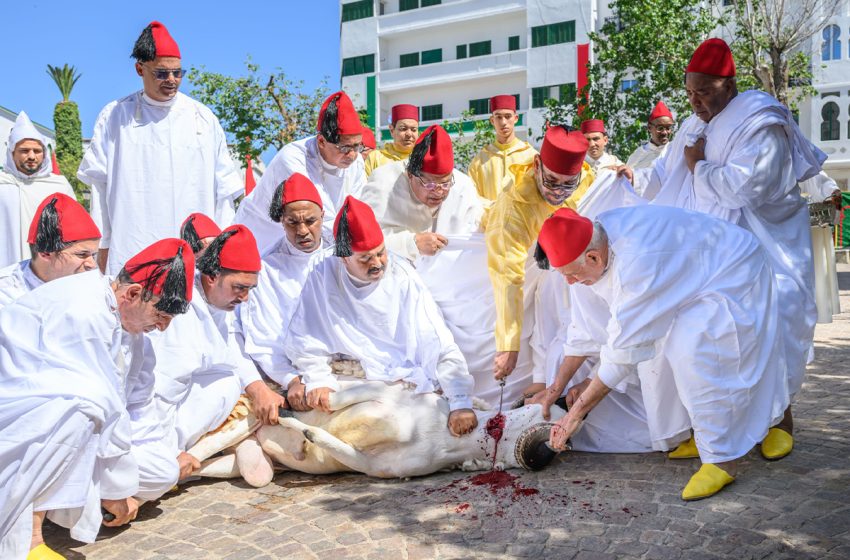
<point x="265" y="401"/>
<point x="562" y="430"/>
<point x="462" y="421"/>
<point x="504" y="364"/>
<point x="625" y="171"/>
<point x="124" y="511"/>
<point x="296" y="395"/>
<point x="695" y="153"/>
<point x="835" y="199"/>
<point x="320" y="398"/>
<point x="546" y="398"/>
<point x="188" y="464"/>
<point x="576" y="391"/>
<point x="429" y="243"/>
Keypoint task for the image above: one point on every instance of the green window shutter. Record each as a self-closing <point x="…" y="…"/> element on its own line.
<point x="426" y="3"/>
<point x="539" y="95"/>
<point x="479" y="106"/>
<point x="368" y="63"/>
<point x="461" y="51"/>
<point x="538" y="36"/>
<point x="567" y="92"/>
<point x="480" y="48"/>
<point x="571" y="31"/>
<point x="405" y="5"/>
<point x="432" y="56"/>
<point x="358" y="65"/>
<point x="513" y="43"/>
<point x="432" y="112"/>
<point x="516" y="96"/>
<point x="411" y="59"/>
<point x="357" y="10"/>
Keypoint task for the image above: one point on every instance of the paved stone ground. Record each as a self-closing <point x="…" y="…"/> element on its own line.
<point x="590" y="507"/>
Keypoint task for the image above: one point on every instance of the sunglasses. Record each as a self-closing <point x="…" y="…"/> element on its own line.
<point x="347" y="149"/>
<point x="161" y="74"/>
<point x="560" y="187"/>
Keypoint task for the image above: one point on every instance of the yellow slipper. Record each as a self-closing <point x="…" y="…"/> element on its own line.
<point x="686" y="450"/>
<point x="707" y="481"/>
<point x="777" y="444"/>
<point x="44" y="552"/>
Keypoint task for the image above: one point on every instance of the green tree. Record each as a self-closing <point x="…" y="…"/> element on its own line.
<point x="69" y="135"/>
<point x="466" y="145"/>
<point x="259" y="110"/>
<point x="640" y="55"/>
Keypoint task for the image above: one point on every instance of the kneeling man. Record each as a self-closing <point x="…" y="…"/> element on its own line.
<point x="369" y="305"/>
<point x="702" y="292"/>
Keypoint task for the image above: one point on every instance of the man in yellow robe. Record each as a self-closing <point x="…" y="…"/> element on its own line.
<point x="557" y="178"/>
<point x="404" y="126"/>
<point x="491" y="168"/>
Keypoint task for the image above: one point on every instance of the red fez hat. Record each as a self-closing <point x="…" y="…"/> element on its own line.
<point x="60" y="219"/>
<point x="356" y="229"/>
<point x="563" y="152"/>
<point x="502" y="102"/>
<point x="347" y="119"/>
<point x="297" y="187"/>
<point x="404" y="111"/>
<point x="162" y="40"/>
<point x="593" y="125"/>
<point x="565" y="236"/>
<point x="659" y="111"/>
<point x="712" y="57"/>
<point x="438" y="157"/>
<point x="166" y="269"/>
<point x="202" y="224"/>
<point x="369" y="138"/>
<point x="239" y="249"/>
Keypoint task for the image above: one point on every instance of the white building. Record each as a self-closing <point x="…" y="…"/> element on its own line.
<point x="452" y="55"/>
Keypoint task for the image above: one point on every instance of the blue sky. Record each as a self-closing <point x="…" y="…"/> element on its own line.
<point x="96" y="36"/>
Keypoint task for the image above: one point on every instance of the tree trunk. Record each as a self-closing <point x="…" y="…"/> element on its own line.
<point x="780" y="75"/>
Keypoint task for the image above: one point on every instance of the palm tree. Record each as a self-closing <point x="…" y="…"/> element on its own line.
<point x="65" y="79"/>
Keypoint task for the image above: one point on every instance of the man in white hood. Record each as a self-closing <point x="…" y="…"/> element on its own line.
<point x="24" y="182"/>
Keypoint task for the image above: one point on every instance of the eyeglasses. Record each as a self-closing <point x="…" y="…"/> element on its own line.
<point x="560" y="187"/>
<point x="663" y="128"/>
<point x="162" y="74"/>
<point x="434" y="186"/>
<point x="346" y="149"/>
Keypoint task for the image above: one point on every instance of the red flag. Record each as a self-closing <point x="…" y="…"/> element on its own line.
<point x="582" y="60"/>
<point x="54" y="162"/>
<point x="250" y="183"/>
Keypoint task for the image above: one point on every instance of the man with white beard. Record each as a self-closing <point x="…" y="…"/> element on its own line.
<point x="330" y="159"/>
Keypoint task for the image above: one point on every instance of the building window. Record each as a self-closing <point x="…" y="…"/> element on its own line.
<point x="829" y="128"/>
<point x="479" y="106"/>
<point x="358" y="65"/>
<point x="432" y="56"/>
<point x="426" y="3"/>
<point x="513" y="43"/>
<point x="553" y="33"/>
<point x="461" y="51"/>
<point x="410" y="59"/>
<point x="831" y="48"/>
<point x="567" y="92"/>
<point x="357" y="10"/>
<point x="405" y="5"/>
<point x="479" y="49"/>
<point x="516" y="96"/>
<point x="728" y="2"/>
<point x="539" y="95"/>
<point x="432" y="112"/>
<point x="628" y="85"/>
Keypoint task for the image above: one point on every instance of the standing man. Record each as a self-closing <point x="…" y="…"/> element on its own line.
<point x="660" y="128"/>
<point x="490" y="169"/>
<point x="155" y="157"/>
<point x="63" y="241"/>
<point x="744" y="168"/>
<point x="597" y="139"/>
<point x="24" y="182"/>
<point x="418" y="205"/>
<point x="330" y="159"/>
<point x="404" y="126"/>
<point x="557" y="177"/>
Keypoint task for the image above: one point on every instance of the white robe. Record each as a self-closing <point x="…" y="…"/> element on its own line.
<point x="607" y="160"/>
<point x="61" y="360"/>
<point x="701" y="292"/>
<point x="755" y="155"/>
<point x="393" y="327"/>
<point x="646" y="154"/>
<point x="402" y="216"/>
<point x="16" y="280"/>
<point x="150" y="164"/>
<point x="333" y="184"/>
<point x="264" y="318"/>
<point x="199" y="372"/>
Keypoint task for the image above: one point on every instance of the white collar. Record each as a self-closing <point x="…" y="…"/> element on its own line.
<point x="150" y="101"/>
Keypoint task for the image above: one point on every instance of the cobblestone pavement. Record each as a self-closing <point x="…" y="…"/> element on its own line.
<point x="589" y="507"/>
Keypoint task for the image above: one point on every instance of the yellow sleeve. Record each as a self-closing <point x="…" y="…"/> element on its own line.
<point x="508" y="240"/>
<point x="373" y="161"/>
<point x="475" y="174"/>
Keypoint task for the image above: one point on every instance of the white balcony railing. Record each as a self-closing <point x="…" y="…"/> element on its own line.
<point x="443" y="14"/>
<point x="453" y="71"/>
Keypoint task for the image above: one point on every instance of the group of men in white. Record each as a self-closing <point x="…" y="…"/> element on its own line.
<point x="667" y="303"/>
